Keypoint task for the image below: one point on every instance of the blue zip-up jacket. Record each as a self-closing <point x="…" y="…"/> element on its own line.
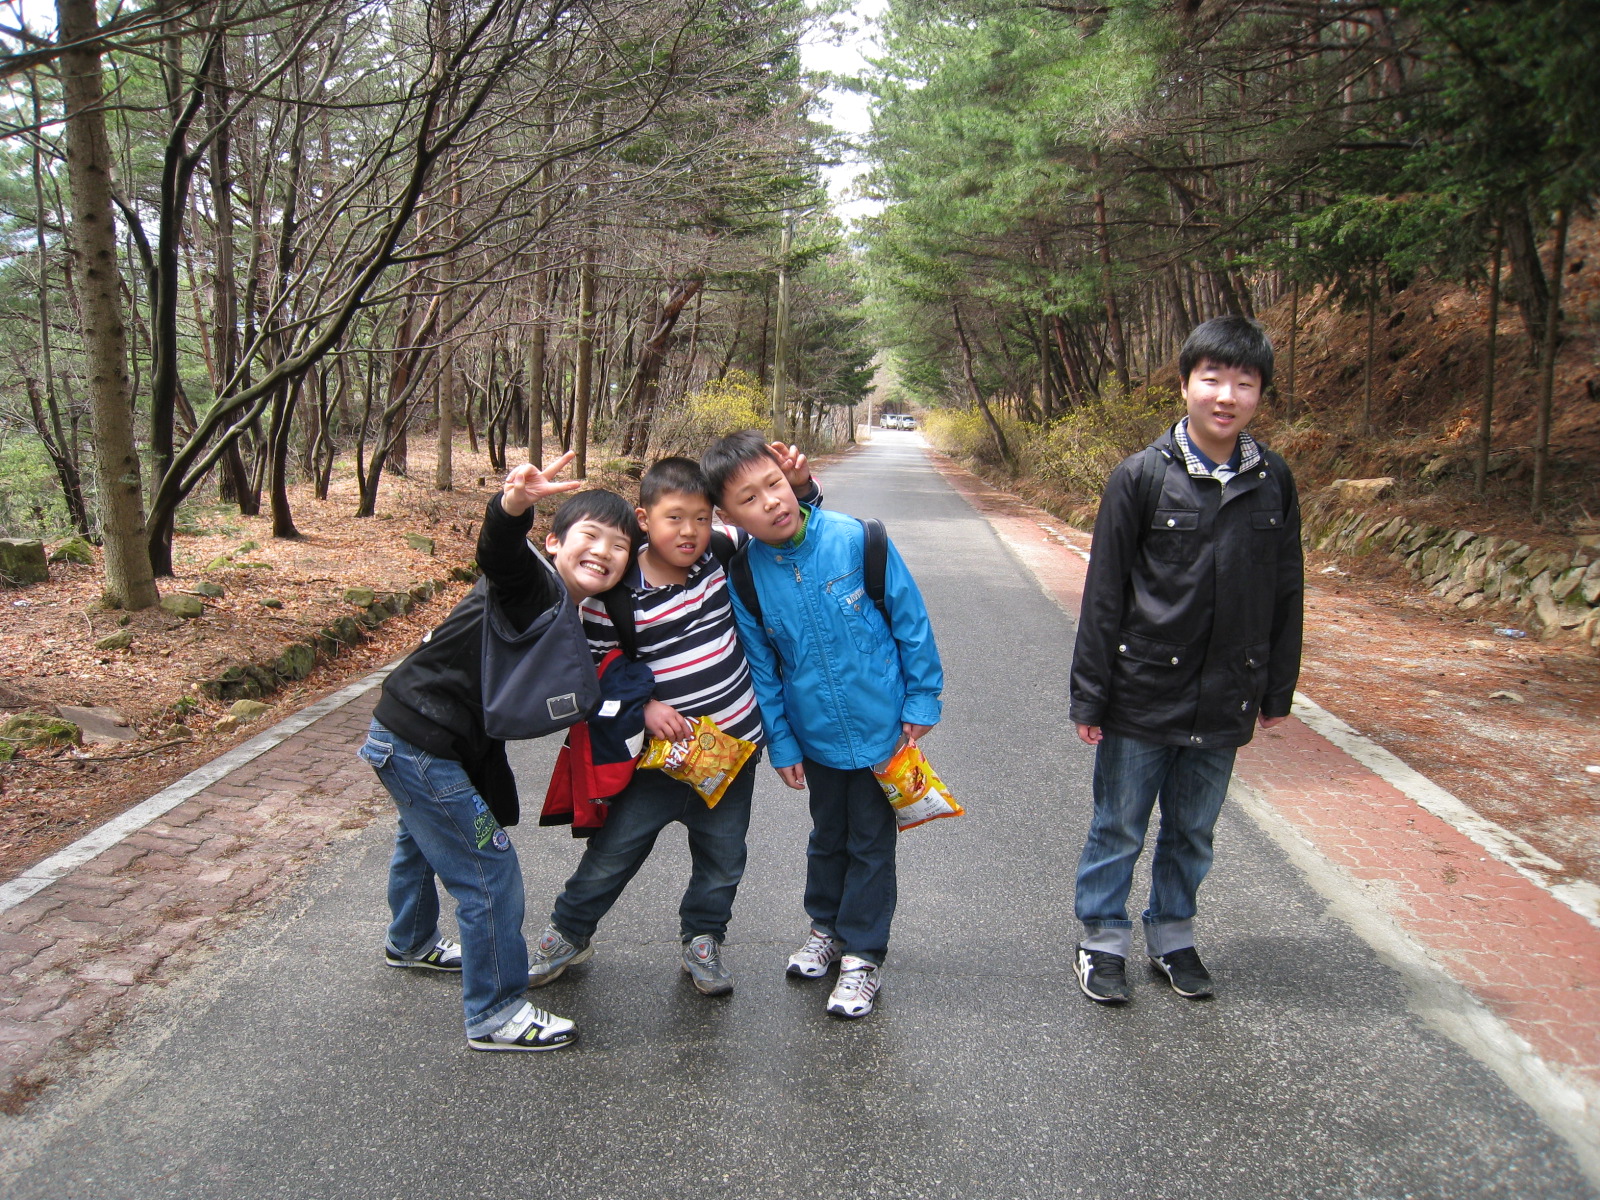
<point x="833" y="684"/>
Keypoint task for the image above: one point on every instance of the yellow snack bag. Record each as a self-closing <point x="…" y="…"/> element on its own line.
<point x="707" y="761"/>
<point x="915" y="789"/>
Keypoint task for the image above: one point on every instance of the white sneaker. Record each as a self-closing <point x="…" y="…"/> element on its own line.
<point x="530" y="1029"/>
<point x="814" y="958"/>
<point x="858" y="984"/>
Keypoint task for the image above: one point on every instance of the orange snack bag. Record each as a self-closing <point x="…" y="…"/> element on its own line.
<point x="915" y="789"/>
<point x="706" y="761"/>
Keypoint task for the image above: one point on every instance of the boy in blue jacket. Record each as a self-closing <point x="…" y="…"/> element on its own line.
<point x="840" y="689"/>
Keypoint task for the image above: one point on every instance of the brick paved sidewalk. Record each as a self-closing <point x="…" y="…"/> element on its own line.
<point x="73" y="955"/>
<point x="1528" y="958"/>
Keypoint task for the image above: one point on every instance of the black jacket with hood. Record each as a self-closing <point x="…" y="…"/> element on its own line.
<point x="434" y="699"/>
<point x="1191" y="619"/>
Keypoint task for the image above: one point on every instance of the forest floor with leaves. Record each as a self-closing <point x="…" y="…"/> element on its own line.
<point x="48" y="658"/>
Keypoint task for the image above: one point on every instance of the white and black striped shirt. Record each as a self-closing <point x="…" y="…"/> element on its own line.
<point x="687" y="636"/>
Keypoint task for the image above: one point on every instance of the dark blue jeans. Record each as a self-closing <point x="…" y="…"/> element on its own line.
<point x="850" y="874"/>
<point x="617" y="850"/>
<point x="1130" y="777"/>
<point x="446" y="830"/>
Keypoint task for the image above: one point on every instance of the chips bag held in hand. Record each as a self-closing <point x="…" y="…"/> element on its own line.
<point x="915" y="789"/>
<point x="707" y="761"/>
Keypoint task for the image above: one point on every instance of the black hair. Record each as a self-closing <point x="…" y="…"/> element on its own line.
<point x="1228" y="342"/>
<point x="728" y="456"/>
<point x="602" y="507"/>
<point x="672" y="474"/>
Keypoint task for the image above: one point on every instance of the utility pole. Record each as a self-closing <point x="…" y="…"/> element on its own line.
<point x="780" y="359"/>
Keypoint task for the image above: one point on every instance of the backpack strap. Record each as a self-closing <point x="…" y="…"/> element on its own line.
<point x="875" y="563"/>
<point x="1152" y="470"/>
<point x="742" y="581"/>
<point x="619" y="607"/>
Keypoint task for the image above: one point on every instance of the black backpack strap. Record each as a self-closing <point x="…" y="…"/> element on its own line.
<point x="1152" y="470"/>
<point x="875" y="563"/>
<point x="619" y="607"/>
<point x="743" y="582"/>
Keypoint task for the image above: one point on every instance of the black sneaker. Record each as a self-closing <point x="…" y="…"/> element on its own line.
<point x="1185" y="972"/>
<point x="1102" y="976"/>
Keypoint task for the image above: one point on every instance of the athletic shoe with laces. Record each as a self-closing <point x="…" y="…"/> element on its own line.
<point x="553" y="954"/>
<point x="1185" y="972"/>
<point x="443" y="955"/>
<point x="530" y="1029"/>
<point x="858" y="983"/>
<point x="1102" y="976"/>
<point x="702" y="962"/>
<point x="814" y="958"/>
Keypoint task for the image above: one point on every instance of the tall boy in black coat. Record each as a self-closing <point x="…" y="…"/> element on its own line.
<point x="1189" y="636"/>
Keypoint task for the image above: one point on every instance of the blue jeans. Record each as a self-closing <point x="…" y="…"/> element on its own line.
<point x="850" y="874"/>
<point x="618" y="849"/>
<point x="446" y="830"/>
<point x="1130" y="776"/>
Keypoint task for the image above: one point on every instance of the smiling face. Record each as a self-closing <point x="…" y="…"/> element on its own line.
<point x="759" y="500"/>
<point x="678" y="529"/>
<point x="1221" y="402"/>
<point x="591" y="557"/>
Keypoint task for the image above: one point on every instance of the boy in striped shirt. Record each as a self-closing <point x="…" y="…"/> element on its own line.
<point x="683" y="627"/>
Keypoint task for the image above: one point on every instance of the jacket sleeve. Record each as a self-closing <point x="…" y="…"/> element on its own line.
<point x="1288" y="610"/>
<point x="1111" y="561"/>
<point x="783" y="749"/>
<point x="524" y="587"/>
<point x="913" y="633"/>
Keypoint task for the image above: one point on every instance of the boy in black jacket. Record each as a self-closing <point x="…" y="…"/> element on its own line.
<point x="1189" y="635"/>
<point x="451" y="782"/>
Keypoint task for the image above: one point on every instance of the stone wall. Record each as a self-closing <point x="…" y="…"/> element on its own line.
<point x="1551" y="591"/>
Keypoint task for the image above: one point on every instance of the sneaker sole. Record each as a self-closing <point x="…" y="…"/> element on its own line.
<point x="852" y="1016"/>
<point x="553" y="1044"/>
<point x="581" y="956"/>
<point x="1161" y="973"/>
<point x="412" y="964"/>
<point x="713" y="988"/>
<point x="1084" y="988"/>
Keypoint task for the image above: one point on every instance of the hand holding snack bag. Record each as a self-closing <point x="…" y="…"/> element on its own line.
<point x="915" y="789"/>
<point x="707" y="761"/>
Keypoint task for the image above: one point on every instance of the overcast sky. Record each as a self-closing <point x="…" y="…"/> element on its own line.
<point x="843" y="56"/>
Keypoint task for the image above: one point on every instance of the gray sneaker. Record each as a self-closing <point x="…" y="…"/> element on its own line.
<point x="553" y="954"/>
<point x="702" y="959"/>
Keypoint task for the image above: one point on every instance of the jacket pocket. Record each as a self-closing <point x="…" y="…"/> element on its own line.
<point x="1132" y="648"/>
<point x="1174" y="535"/>
<point x="867" y="629"/>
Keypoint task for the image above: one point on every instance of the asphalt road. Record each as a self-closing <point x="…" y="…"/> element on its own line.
<point x="295" y="1064"/>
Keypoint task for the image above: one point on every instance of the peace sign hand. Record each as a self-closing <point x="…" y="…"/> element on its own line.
<point x="527" y="483"/>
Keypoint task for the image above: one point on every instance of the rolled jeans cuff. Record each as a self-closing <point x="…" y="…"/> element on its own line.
<point x="1108" y="937"/>
<point x="1168" y="936"/>
<point x="491" y="1021"/>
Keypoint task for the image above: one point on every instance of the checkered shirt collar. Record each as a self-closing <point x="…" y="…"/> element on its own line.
<point x="1249" y="452"/>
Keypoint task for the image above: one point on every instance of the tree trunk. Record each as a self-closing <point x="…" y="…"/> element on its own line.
<point x="1119" y="349"/>
<point x="1547" y="372"/>
<point x="1366" y="369"/>
<point x="130" y="578"/>
<point x="585" y="367"/>
<point x="995" y="431"/>
<point x="1480" y="472"/>
<point x="652" y="355"/>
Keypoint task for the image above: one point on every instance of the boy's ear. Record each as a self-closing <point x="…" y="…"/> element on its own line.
<point x="640" y="514"/>
<point x="551" y="544"/>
